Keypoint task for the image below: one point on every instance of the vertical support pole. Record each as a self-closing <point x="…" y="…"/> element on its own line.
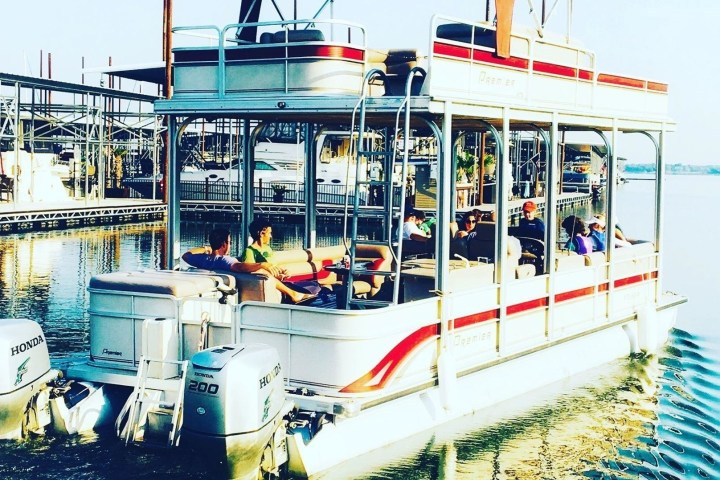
<point x="100" y="172"/>
<point x="248" y="189"/>
<point x="172" y="184"/>
<point x="310" y="185"/>
<point x="167" y="45"/>
<point x="552" y="171"/>
<point x="157" y="129"/>
<point x="503" y="193"/>
<point x="502" y="271"/>
<point x="659" y="205"/>
<point x="447" y="376"/>
<point x="445" y="186"/>
<point x="611" y="185"/>
<point x="87" y="145"/>
<point x="18" y="138"/>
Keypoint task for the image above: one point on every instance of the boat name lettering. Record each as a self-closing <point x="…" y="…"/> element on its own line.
<point x="111" y="352"/>
<point x="466" y="340"/>
<point x="265" y="381"/>
<point x="494" y="80"/>
<point x="34" y="342"/>
<point x="206" y="375"/>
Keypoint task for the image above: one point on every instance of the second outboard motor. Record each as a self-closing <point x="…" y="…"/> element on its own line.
<point x="234" y="408"/>
<point x="24" y="375"/>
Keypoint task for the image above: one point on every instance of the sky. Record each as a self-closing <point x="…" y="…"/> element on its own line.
<point x="671" y="41"/>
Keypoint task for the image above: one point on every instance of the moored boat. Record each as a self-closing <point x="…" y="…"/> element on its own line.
<point x="393" y="345"/>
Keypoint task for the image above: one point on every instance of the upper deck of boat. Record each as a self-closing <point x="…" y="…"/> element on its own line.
<point x="293" y="71"/>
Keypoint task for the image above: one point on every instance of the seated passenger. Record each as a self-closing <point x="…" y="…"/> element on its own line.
<point x="410" y="229"/>
<point x="620" y="240"/>
<point x="414" y="240"/>
<point x="596" y="227"/>
<point x="468" y="225"/>
<point x="577" y="241"/>
<point x="424" y="224"/>
<point x="215" y="257"/>
<point x="531" y="226"/>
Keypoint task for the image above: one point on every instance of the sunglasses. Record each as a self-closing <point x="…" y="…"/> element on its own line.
<point x="469" y="221"/>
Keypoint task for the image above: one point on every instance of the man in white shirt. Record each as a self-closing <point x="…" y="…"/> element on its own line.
<point x="415" y="241"/>
<point x="411" y="231"/>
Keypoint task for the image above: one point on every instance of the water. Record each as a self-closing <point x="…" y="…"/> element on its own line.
<point x="649" y="418"/>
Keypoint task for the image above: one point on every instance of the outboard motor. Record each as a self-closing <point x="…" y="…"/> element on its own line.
<point x="24" y="375"/>
<point x="235" y="406"/>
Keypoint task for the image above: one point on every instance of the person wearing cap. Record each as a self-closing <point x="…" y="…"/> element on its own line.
<point x="530" y="225"/>
<point x="620" y="240"/>
<point x="596" y="227"/>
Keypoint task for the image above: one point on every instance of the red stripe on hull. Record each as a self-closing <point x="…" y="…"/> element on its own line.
<point x="621" y="81"/>
<point x="488" y="57"/>
<point x="451" y="50"/>
<point x="463" y="53"/>
<point x="552" y="69"/>
<point x="585" y="75"/>
<point x="390" y="363"/>
<point x="327" y="51"/>
<point x="271" y="53"/>
<point x="572" y="294"/>
<point x="477" y="318"/>
<point x="529" y="305"/>
<point x="657" y="87"/>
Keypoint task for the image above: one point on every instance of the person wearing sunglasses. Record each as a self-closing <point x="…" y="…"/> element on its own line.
<point x="467" y="225"/>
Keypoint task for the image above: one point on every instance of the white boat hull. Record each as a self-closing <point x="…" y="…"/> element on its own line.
<point x="424" y="410"/>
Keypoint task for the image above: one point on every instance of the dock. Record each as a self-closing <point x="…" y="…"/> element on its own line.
<point x="32" y="217"/>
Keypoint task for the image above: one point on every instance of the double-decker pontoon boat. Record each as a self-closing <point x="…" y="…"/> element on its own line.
<point x="394" y="345"/>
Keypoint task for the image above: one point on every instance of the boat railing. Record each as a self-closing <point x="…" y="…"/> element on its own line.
<point x="285" y="58"/>
<point x="275" y="191"/>
<point x="588" y="293"/>
<point x="463" y="64"/>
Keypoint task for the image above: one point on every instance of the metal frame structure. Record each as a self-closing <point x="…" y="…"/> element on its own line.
<point x="101" y="125"/>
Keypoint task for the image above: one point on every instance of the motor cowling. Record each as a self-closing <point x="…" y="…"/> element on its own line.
<point x="24" y="374"/>
<point x="234" y="404"/>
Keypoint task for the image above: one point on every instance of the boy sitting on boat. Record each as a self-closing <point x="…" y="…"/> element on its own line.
<point x="215" y="257"/>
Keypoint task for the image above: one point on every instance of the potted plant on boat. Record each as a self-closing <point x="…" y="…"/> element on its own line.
<point x="489" y="164"/>
<point x="465" y="163"/>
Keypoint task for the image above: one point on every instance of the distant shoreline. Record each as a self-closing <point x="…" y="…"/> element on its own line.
<point x="671" y="169"/>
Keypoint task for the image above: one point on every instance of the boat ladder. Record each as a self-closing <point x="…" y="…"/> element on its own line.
<point x="380" y="187"/>
<point x="152" y="414"/>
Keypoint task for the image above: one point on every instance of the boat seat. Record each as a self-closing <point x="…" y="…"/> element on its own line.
<point x="164" y="282"/>
<point x="293" y="36"/>
<point x="482" y="246"/>
<point x="595" y="259"/>
<point x="461" y="32"/>
<point x="266" y="37"/>
<point x="567" y="260"/>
